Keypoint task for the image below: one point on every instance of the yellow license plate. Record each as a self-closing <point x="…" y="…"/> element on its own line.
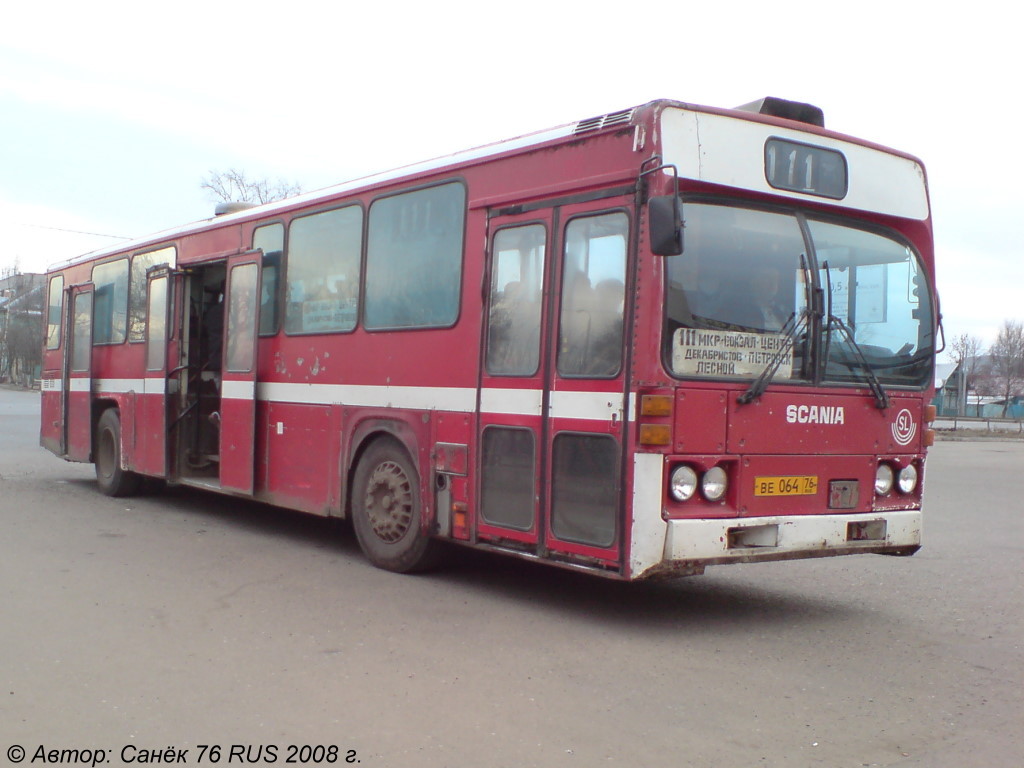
<point x="791" y="485"/>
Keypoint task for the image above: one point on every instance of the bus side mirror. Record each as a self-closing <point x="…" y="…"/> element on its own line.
<point x="665" y="215"/>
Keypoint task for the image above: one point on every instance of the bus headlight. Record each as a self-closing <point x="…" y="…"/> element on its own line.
<point x="682" y="483"/>
<point x="907" y="480"/>
<point x="883" y="479"/>
<point x="714" y="484"/>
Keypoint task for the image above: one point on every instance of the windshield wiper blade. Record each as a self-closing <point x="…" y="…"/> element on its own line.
<point x="760" y="384"/>
<point x="881" y="396"/>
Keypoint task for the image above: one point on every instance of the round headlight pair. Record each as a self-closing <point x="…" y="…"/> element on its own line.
<point x="905" y="482"/>
<point x="683" y="483"/>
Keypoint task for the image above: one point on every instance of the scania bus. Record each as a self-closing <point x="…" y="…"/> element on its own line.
<point x="640" y="344"/>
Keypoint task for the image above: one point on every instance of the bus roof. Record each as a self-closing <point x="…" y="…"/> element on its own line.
<point x="771" y="110"/>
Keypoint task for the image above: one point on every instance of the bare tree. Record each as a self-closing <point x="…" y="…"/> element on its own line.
<point x="1008" y="361"/>
<point x="233" y="186"/>
<point x="966" y="349"/>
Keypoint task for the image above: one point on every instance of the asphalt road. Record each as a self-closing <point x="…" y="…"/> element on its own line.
<point x="183" y="619"/>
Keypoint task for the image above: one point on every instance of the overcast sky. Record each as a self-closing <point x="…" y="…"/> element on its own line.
<point x="111" y="114"/>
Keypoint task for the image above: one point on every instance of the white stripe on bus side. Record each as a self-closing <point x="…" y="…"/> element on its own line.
<point x="586" y="406"/>
<point x="154" y="386"/>
<point x="238" y="390"/>
<point x="592" y="406"/>
<point x="511" y="402"/>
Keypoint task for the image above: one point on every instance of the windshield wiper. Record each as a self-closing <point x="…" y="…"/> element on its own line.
<point x="792" y="327"/>
<point x="760" y="384"/>
<point x="881" y="396"/>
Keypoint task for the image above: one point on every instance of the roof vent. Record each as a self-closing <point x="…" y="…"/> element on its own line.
<point x="790" y="110"/>
<point x="604" y="121"/>
<point x="223" y="209"/>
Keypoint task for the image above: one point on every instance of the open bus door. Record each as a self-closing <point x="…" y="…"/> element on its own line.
<point x="151" y="440"/>
<point x="238" y="384"/>
<point x="552" y="400"/>
<point x="77" y="385"/>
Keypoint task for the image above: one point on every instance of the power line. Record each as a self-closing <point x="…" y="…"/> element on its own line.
<point x="74" y="231"/>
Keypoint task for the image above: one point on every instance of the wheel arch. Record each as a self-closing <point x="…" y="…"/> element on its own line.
<point x="99" y="407"/>
<point x="407" y="434"/>
<point x="113" y="476"/>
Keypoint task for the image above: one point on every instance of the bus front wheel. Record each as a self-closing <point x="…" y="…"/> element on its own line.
<point x="387" y="510"/>
<point x="111" y="478"/>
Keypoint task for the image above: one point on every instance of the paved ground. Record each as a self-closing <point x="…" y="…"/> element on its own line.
<point x="187" y="619"/>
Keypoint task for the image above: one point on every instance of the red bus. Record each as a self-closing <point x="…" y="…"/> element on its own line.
<point x="664" y="338"/>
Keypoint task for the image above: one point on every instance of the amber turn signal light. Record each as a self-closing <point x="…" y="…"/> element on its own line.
<point x="655" y="434"/>
<point x="655" y="405"/>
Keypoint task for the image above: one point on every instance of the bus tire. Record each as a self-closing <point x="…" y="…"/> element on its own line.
<point x="387" y="510"/>
<point x="112" y="480"/>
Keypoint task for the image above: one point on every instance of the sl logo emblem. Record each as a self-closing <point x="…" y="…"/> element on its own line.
<point x="904" y="428"/>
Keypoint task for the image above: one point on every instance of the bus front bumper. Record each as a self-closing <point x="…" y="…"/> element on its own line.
<point x="685" y="547"/>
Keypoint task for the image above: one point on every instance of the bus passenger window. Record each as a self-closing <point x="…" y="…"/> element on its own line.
<point x="513" y="325"/>
<point x="156" y="350"/>
<point x="241" y="318"/>
<point x="54" y="305"/>
<point x="110" y="313"/>
<point x="268" y="293"/>
<point x="414" y="259"/>
<point x="593" y="296"/>
<point x="141" y="263"/>
<point x="81" y="333"/>
<point x="323" y="271"/>
<point x="270" y="240"/>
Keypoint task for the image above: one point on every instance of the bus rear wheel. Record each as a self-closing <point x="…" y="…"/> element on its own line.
<point x="387" y="510"/>
<point x="111" y="478"/>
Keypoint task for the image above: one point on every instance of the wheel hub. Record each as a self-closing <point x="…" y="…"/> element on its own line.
<point x="389" y="502"/>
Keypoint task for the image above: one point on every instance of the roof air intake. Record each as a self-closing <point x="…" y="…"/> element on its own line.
<point x="604" y="121"/>
<point x="790" y="110"/>
<point x="233" y="206"/>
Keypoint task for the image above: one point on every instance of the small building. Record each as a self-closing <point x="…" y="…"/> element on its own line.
<point x="21" y="316"/>
<point x="1014" y="408"/>
<point x="947" y="389"/>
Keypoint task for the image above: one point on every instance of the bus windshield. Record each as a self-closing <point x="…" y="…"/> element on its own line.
<point x="877" y="288"/>
<point x="738" y="300"/>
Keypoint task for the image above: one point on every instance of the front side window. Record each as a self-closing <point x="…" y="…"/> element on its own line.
<point x="737" y="300"/>
<point x="110" y="311"/>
